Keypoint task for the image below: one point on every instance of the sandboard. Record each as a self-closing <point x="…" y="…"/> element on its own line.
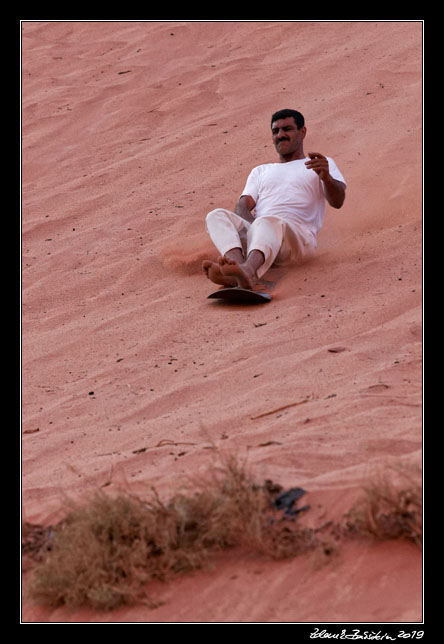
<point x="240" y="295"/>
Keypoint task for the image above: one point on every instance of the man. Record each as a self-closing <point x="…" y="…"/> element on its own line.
<point x="288" y="199"/>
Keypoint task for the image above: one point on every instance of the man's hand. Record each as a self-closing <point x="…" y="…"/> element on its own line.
<point x="319" y="164"/>
<point x="334" y="189"/>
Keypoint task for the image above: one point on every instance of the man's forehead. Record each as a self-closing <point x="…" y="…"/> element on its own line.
<point x="289" y="120"/>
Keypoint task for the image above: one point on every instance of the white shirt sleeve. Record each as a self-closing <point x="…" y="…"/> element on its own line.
<point x="334" y="171"/>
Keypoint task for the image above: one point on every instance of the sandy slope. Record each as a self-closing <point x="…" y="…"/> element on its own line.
<point x="131" y="133"/>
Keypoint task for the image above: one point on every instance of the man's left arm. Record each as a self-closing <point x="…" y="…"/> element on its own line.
<point x="334" y="189"/>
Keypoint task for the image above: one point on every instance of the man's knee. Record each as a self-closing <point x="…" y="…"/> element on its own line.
<point x="217" y="212"/>
<point x="212" y="217"/>
<point x="217" y="216"/>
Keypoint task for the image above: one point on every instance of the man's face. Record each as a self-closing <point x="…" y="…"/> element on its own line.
<point x="287" y="138"/>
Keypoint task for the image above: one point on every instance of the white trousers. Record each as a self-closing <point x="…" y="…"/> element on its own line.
<point x="282" y="242"/>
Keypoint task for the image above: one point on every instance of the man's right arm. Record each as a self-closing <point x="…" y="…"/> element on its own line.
<point x="244" y="207"/>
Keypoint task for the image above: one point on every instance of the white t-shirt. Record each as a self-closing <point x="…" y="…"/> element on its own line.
<point x="290" y="191"/>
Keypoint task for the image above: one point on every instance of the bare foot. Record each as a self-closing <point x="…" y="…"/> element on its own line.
<point x="214" y="273"/>
<point x="244" y="276"/>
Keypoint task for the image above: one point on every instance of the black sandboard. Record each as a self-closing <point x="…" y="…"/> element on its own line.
<point x="240" y="295"/>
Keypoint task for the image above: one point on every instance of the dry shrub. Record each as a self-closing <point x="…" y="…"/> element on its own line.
<point x="104" y="553"/>
<point x="391" y="508"/>
<point x="97" y="555"/>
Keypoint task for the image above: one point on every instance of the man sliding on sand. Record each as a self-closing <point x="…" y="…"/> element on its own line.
<point x="288" y="199"/>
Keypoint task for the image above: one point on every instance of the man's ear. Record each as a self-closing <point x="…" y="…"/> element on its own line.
<point x="303" y="131"/>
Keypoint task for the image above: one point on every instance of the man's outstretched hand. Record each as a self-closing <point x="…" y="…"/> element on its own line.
<point x="334" y="189"/>
<point x="319" y="163"/>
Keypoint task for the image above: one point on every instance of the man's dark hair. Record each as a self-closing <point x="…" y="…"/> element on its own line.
<point x="285" y="114"/>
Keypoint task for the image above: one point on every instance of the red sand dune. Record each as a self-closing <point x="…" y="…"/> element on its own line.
<point x="132" y="132"/>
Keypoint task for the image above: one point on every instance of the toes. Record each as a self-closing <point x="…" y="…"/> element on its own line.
<point x="223" y="261"/>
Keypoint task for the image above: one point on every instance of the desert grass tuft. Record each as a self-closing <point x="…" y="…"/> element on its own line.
<point x="104" y="553"/>
<point x="390" y="508"/>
